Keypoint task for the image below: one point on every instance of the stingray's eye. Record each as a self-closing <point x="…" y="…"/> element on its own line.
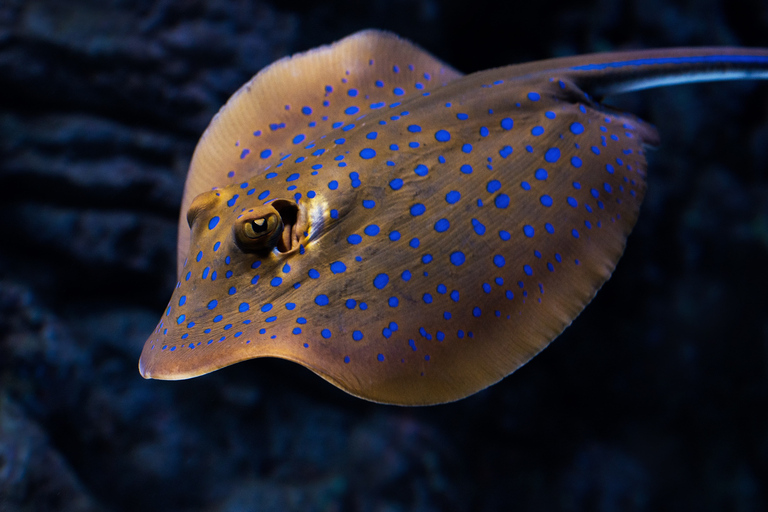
<point x="258" y="230"/>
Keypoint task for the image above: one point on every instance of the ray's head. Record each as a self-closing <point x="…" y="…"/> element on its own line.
<point x="232" y="234"/>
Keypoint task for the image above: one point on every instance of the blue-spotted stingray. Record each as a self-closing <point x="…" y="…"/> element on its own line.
<point x="410" y="234"/>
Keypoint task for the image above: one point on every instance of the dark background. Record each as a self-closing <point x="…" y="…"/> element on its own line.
<point x="656" y="398"/>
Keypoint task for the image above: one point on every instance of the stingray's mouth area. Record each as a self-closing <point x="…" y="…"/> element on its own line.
<point x="291" y="216"/>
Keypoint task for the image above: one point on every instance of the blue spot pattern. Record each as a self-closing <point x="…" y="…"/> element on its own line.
<point x="507" y="229"/>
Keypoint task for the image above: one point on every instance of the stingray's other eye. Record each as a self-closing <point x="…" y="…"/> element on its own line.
<point x="258" y="231"/>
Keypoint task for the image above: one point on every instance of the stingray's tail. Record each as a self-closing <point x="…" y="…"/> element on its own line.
<point x="605" y="74"/>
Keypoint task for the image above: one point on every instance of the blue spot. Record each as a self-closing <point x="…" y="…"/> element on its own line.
<point x="528" y="231"/>
<point x="442" y="225"/>
<point x="576" y="161"/>
<point x="334" y="215"/>
<point x="458" y="258"/>
<point x="534" y="96"/>
<point x="351" y="110"/>
<point x="371" y="230"/>
<point x="499" y="260"/>
<point x="276" y="281"/>
<point x="393" y="302"/>
<point x="321" y="300"/>
<point x="217" y="318"/>
<point x="346" y="359"/>
<point x="414" y="242"/>
<point x="271" y="175"/>
<point x="575" y="233"/>
<point x="505" y="151"/>
<point x="394" y="236"/>
<point x="296" y="330"/>
<point x="426" y="258"/>
<point x="549" y="227"/>
<point x="352" y="92"/>
<point x="338" y="267"/>
<point x="398" y="91"/>
<point x="572" y="202"/>
<point x="354" y="239"/>
<point x="406" y="275"/>
<point x="180" y="320"/>
<point x="595" y="150"/>
<point x="380" y="281"/>
<point x="306" y="111"/>
<point x="379" y="83"/>
<point x="609" y="168"/>
<point x="501" y="201"/>
<point x="427" y="298"/>
<point x="537" y="130"/>
<point x="266" y="153"/>
<point x="528" y="270"/>
<point x="478" y="227"/>
<point x="546" y="200"/>
<point x="507" y="123"/>
<point x="451" y="197"/>
<point x="372" y="136"/>
<point x="350" y="303"/>
<point x="483" y="131"/>
<point x="466" y="169"/>
<point x="255" y="280"/>
<point x="466" y="148"/>
<point x="367" y="153"/>
<point x="244" y="307"/>
<point x="418" y="209"/>
<point x="462" y="117"/>
<point x="357" y="335"/>
<point x="293" y="177"/>
<point x="442" y="136"/>
<point x="455" y="296"/>
<point x="396" y="184"/>
<point x="493" y="186"/>
<point x="298" y="138"/>
<point x="213" y="304"/>
<point x="333" y="184"/>
<point x="290" y="306"/>
<point x="314" y="274"/>
<point x="421" y="170"/>
<point x="368" y="203"/>
<point x="380" y="357"/>
<point x="550" y="115"/>
<point x="301" y="320"/>
<point x="212" y="223"/>
<point x="577" y="128"/>
<point x="325" y="333"/>
<point x="413" y="144"/>
<point x="414" y="128"/>
<point x="552" y="155"/>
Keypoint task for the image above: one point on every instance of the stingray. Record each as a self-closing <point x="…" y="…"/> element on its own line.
<point x="410" y="234"/>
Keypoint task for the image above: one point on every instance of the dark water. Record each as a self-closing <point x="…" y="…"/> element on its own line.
<point x="654" y="399"/>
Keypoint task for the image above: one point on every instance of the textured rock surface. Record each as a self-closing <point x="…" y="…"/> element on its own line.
<point x="655" y="399"/>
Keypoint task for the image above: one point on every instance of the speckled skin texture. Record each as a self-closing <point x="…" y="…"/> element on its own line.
<point x="653" y="400"/>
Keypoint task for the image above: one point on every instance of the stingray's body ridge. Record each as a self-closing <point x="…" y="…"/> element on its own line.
<point x="410" y="234"/>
